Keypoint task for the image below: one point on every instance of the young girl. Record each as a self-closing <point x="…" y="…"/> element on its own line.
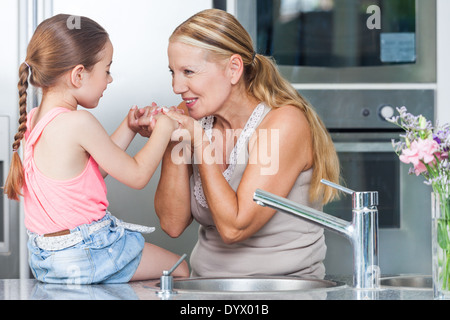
<point x="67" y="153"/>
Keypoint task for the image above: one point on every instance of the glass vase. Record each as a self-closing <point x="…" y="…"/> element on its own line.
<point x="440" y="210"/>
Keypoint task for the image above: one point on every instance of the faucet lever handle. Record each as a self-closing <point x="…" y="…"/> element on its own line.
<point x="168" y="273"/>
<point x="336" y="186"/>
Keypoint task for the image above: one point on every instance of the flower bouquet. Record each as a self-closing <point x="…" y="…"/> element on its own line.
<point x="426" y="148"/>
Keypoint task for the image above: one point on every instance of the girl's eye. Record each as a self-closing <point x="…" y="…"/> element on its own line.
<point x="108" y="73"/>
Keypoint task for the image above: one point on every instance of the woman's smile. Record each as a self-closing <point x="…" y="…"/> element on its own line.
<point x="190" y="102"/>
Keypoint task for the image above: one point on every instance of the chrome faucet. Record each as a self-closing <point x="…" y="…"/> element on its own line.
<point x="166" y="281"/>
<point x="362" y="231"/>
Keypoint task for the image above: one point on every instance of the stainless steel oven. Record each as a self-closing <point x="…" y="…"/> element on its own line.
<point x="362" y="137"/>
<point x="345" y="41"/>
<point x="368" y="162"/>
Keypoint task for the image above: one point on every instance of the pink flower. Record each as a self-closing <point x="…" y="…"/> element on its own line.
<point x="420" y="152"/>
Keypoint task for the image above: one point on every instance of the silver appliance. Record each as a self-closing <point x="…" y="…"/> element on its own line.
<point x="345" y="41"/>
<point x="362" y="137"/>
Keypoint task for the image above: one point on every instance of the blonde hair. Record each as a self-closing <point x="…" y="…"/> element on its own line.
<point x="221" y="35"/>
<point x="53" y="50"/>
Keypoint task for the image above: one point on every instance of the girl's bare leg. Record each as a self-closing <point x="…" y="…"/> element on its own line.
<point x="154" y="260"/>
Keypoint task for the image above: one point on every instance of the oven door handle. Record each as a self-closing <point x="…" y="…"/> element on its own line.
<point x="363" y="147"/>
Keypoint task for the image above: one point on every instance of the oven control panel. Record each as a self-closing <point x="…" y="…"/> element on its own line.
<point x="368" y="109"/>
<point x="387" y="112"/>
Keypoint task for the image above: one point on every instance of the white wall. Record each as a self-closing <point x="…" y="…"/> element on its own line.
<point x="139" y="31"/>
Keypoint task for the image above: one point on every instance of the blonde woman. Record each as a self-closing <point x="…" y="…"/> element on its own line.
<point x="255" y="131"/>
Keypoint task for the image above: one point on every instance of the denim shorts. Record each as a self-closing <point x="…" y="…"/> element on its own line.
<point x="109" y="255"/>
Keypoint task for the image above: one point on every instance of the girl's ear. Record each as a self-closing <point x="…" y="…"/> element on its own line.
<point x="236" y="67"/>
<point x="76" y="75"/>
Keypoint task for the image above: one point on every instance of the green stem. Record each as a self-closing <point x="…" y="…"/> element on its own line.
<point x="446" y="279"/>
<point x="444" y="239"/>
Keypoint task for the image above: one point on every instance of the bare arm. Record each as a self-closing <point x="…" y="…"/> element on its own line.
<point x="123" y="135"/>
<point x="134" y="172"/>
<point x="172" y="198"/>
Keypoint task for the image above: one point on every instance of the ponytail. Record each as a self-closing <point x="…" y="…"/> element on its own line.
<point x="15" y="180"/>
<point x="265" y="83"/>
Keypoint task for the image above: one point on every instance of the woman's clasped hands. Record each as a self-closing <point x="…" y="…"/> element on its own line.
<point x="144" y="120"/>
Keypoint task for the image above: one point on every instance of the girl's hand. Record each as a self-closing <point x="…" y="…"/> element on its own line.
<point x="154" y="113"/>
<point x="133" y="116"/>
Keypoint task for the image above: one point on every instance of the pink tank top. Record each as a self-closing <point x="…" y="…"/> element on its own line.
<point x="53" y="205"/>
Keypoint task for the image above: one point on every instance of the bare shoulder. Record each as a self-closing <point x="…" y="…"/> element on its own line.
<point x="80" y="120"/>
<point x="82" y="116"/>
<point x="74" y="117"/>
<point x="287" y="119"/>
<point x="72" y="120"/>
<point x="78" y="128"/>
<point x="294" y="136"/>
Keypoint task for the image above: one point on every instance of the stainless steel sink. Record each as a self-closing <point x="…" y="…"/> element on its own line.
<point x="251" y="284"/>
<point x="408" y="281"/>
